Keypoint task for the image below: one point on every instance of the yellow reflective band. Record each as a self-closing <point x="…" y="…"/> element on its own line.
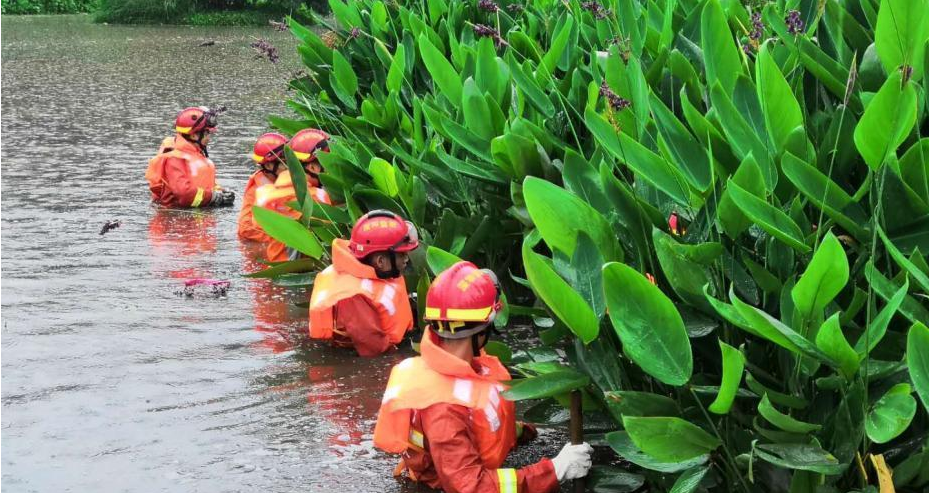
<point x="182" y="130"/>
<point x="468" y="315"/>
<point x="433" y="312"/>
<point x="416" y="438"/>
<point x="303" y="156"/>
<point x="197" y="198"/>
<point x="257" y="158"/>
<point x="507" y="479"/>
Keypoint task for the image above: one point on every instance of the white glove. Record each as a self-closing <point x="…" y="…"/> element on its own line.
<point x="573" y="461"/>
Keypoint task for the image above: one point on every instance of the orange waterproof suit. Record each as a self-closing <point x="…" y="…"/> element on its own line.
<point x="248" y="228"/>
<point x="276" y="196"/>
<point x="352" y="306"/>
<point x="454" y="430"/>
<point x="180" y="175"/>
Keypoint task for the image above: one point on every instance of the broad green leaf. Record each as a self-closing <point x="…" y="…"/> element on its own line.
<point x="609" y="479"/>
<point x="782" y="420"/>
<point x="443" y="73"/>
<point x="771" y="219"/>
<point x="825" y="194"/>
<point x="742" y="136"/>
<point x="800" y="456"/>
<point x="891" y="414"/>
<point x="475" y="110"/>
<point x="559" y="215"/>
<point x="641" y="160"/>
<point x="887" y="120"/>
<point x="529" y="88"/>
<point x="297" y="175"/>
<point x="633" y="403"/>
<point x="439" y="260"/>
<point x="553" y="55"/>
<point x="917" y="360"/>
<point x="918" y="275"/>
<point x="823" y="280"/>
<point x="624" y="446"/>
<point x="887" y="289"/>
<point x="901" y="33"/>
<point x="291" y="266"/>
<point x="690" y="157"/>
<point x="397" y="70"/>
<point x="831" y="341"/>
<point x="650" y="328"/>
<point x="565" y="302"/>
<point x="690" y="480"/>
<point x="720" y="54"/>
<point x="774" y="396"/>
<point x="748" y="176"/>
<point x="588" y="264"/>
<point x="733" y="365"/>
<point x="669" y="439"/>
<point x="288" y="231"/>
<point x="500" y="350"/>
<point x="583" y="180"/>
<point x="781" y="110"/>
<point x="876" y="329"/>
<point x="547" y="385"/>
<point x="343" y="79"/>
<point x="384" y="176"/>
<point x="686" y="277"/>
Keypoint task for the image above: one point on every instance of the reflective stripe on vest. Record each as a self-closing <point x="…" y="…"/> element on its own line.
<point x="507" y="479"/>
<point x="197" y="198"/>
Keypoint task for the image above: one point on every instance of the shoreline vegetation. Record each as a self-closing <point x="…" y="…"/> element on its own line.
<point x="183" y="12"/>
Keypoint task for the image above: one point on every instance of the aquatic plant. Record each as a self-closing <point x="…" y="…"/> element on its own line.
<point x="783" y="345"/>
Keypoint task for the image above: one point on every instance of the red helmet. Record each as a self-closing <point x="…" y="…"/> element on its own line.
<point x="382" y="231"/>
<point x="196" y="119"/>
<point x="460" y="294"/>
<point x="307" y="142"/>
<point x="269" y="148"/>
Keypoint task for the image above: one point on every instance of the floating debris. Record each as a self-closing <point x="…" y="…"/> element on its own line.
<point x="215" y="287"/>
<point x="266" y="50"/>
<point x="208" y="43"/>
<point x="279" y="26"/>
<point x="109" y="226"/>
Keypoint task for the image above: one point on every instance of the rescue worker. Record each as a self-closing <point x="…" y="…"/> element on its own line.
<point x="306" y="145"/>
<point x="361" y="300"/>
<point x="182" y="174"/>
<point x="268" y="154"/>
<point x="443" y="412"/>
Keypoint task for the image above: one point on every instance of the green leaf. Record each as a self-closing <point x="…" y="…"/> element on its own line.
<point x="443" y="73"/>
<point x="529" y="88"/>
<point x="917" y="360"/>
<point x="901" y="33"/>
<point x="289" y="267"/>
<point x="781" y="110"/>
<point x="800" y="456"/>
<point x="297" y="175"/>
<point x="439" y="260"/>
<point x="774" y="396"/>
<point x="343" y="79"/>
<point x="583" y="180"/>
<point x="831" y="341"/>
<point x="742" y="136"/>
<point x="825" y="194"/>
<point x="633" y="403"/>
<point x="650" y="328"/>
<point x="553" y="55"/>
<point x="690" y="157"/>
<point x="476" y="113"/>
<point x="565" y="302"/>
<point x="686" y="276"/>
<point x="910" y="308"/>
<point x="891" y="414"/>
<point x="640" y="159"/>
<point x="397" y="71"/>
<point x="887" y="121"/>
<point x="876" y="329"/>
<point x="669" y="439"/>
<point x="384" y="175"/>
<point x="624" y="446"/>
<point x="500" y="350"/>
<point x="560" y="215"/>
<point x="748" y="176"/>
<point x="690" y="480"/>
<point x="771" y="219"/>
<point x="587" y="264"/>
<point x="733" y="365"/>
<point x="918" y="275"/>
<point x="720" y="54"/>
<point x="547" y="385"/>
<point x="608" y="479"/>
<point x="824" y="278"/>
<point x="782" y="420"/>
<point x="288" y="231"/>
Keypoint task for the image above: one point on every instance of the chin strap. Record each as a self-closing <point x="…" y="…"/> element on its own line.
<point x="476" y="345"/>
<point x="394" y="272"/>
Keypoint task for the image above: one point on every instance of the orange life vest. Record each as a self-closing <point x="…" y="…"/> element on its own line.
<point x="437" y="377"/>
<point x="348" y="277"/>
<point x="248" y="228"/>
<point x="200" y="168"/>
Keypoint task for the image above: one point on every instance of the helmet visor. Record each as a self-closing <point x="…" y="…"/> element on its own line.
<point x="410" y="241"/>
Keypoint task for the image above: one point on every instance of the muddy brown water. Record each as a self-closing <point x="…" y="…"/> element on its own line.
<point x="110" y="380"/>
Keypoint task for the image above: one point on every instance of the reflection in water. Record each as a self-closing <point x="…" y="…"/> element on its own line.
<point x="182" y="243"/>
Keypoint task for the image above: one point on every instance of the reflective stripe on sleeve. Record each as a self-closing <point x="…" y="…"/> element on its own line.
<point x="507" y="479"/>
<point x="416" y="438"/>
<point x="197" y="198"/>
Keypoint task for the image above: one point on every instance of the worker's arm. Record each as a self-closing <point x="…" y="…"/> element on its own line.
<point x="361" y="322"/>
<point x="177" y="175"/>
<point x="458" y="463"/>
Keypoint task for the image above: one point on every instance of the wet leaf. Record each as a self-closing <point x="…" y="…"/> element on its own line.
<point x="901" y="33"/>
<point x="831" y="341"/>
<point x="288" y="231"/>
<point x="771" y="219"/>
<point x="722" y="59"/>
<point x="917" y="360"/>
<point x="443" y="73"/>
<point x="607" y="479"/>
<point x="886" y="121"/>
<point x="782" y="420"/>
<point x="669" y="439"/>
<point x="878" y="327"/>
<point x="690" y="480"/>
<point x="891" y="414"/>
<point x="686" y="277"/>
<point x="918" y="275"/>
<point x="588" y="264"/>
<point x="781" y="110"/>
<point x="500" y="350"/>
<point x="733" y="365"/>
<point x="565" y="302"/>
<point x="650" y="328"/>
<point x="632" y="403"/>
<point x="800" y="456"/>
<point x="547" y="385"/>
<point x="623" y="445"/>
